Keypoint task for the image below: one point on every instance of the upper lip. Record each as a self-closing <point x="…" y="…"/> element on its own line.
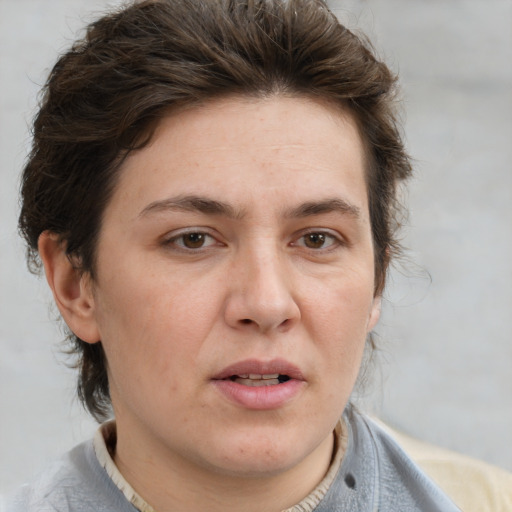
<point x="255" y="366"/>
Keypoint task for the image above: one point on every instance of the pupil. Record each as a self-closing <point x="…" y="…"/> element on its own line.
<point x="315" y="240"/>
<point x="193" y="240"/>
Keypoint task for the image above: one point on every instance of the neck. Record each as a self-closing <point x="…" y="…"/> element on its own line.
<point x="169" y="483"/>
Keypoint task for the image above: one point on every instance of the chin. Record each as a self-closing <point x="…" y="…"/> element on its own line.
<point x="265" y="465"/>
<point x="260" y="455"/>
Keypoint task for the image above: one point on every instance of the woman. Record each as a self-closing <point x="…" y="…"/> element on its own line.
<point x="211" y="192"/>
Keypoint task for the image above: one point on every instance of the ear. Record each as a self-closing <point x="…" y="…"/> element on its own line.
<point x="72" y="289"/>
<point x="374" y="313"/>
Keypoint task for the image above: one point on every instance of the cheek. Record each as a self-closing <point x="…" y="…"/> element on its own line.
<point x="337" y="318"/>
<point x="153" y="328"/>
<point x="342" y="308"/>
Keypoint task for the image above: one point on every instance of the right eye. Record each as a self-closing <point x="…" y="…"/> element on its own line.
<point x="192" y="240"/>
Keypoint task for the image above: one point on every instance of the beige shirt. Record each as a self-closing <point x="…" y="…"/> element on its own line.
<point x="473" y="485"/>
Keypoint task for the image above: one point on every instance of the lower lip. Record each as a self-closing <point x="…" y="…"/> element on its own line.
<point x="260" y="398"/>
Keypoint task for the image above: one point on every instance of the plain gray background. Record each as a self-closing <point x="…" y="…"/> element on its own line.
<point x="444" y="370"/>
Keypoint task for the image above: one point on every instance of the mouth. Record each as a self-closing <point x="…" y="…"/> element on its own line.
<point x="257" y="380"/>
<point x="253" y="372"/>
<point x="260" y="385"/>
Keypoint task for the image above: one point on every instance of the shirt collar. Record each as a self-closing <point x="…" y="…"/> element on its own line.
<point x="104" y="443"/>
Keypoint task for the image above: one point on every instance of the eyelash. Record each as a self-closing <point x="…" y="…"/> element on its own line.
<point x="174" y="241"/>
<point x="328" y="237"/>
<point x="335" y="241"/>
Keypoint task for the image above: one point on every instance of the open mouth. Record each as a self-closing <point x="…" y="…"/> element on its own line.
<point x="260" y="385"/>
<point x="256" y="380"/>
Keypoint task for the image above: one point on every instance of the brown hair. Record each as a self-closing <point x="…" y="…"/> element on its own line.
<point x="105" y="95"/>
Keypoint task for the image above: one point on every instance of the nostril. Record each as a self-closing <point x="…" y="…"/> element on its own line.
<point x="246" y="321"/>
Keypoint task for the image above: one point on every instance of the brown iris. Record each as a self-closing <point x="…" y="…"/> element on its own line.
<point x="194" y="240"/>
<point x="314" y="240"/>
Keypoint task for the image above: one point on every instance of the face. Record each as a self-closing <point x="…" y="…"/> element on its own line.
<point x="234" y="284"/>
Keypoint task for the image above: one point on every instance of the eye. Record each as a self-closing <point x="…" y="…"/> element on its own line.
<point x="317" y="240"/>
<point x="192" y="240"/>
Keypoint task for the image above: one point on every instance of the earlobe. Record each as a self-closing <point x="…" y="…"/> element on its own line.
<point x="374" y="313"/>
<point x="71" y="288"/>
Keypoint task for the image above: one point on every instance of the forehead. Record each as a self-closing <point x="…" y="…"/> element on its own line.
<point x="241" y="149"/>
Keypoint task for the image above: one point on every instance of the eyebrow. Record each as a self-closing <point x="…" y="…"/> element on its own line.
<point x="192" y="203"/>
<point x="325" y="206"/>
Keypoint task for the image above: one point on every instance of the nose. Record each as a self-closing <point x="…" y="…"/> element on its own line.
<point x="261" y="295"/>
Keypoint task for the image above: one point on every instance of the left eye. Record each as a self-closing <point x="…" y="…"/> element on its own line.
<point x="193" y="240"/>
<point x="317" y="240"/>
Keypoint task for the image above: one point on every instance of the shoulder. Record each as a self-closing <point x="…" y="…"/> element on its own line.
<point x="474" y="485"/>
<point x="376" y="474"/>
<point x="400" y="477"/>
<point x="74" y="483"/>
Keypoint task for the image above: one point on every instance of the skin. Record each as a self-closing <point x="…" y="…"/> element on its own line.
<point x="183" y="290"/>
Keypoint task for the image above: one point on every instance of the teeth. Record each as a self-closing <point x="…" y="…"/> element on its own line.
<point x="259" y="381"/>
<point x="257" y="376"/>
